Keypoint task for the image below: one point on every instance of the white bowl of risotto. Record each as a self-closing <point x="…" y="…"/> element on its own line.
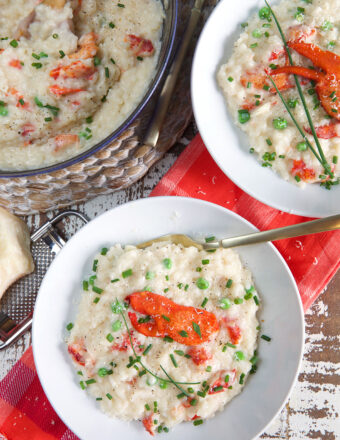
<point x="74" y="75"/>
<point x="167" y="339"/>
<point x="250" y="133"/>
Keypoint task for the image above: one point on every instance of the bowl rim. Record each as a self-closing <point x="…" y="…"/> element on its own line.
<point x="126" y="123"/>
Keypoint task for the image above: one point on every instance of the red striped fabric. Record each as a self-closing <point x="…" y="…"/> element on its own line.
<point x="26" y="414"/>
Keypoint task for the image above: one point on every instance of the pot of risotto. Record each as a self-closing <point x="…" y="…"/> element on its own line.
<point x="74" y="74"/>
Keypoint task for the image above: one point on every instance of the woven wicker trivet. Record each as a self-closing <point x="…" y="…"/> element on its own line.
<point x="117" y="166"/>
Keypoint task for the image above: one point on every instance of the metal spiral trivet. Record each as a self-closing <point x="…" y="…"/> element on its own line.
<point x="117" y="166"/>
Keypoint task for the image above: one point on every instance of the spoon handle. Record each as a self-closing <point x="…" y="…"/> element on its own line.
<point x="312" y="227"/>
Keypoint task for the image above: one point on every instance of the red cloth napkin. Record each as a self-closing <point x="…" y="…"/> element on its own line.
<point x="26" y="414"/>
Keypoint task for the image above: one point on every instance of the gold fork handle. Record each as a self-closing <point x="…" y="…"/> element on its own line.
<point x="313" y="227"/>
<point x="152" y="134"/>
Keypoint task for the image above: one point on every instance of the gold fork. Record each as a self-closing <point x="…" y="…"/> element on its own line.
<point x="312" y="227"/>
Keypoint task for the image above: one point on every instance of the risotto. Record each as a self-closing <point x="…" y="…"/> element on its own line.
<point x="71" y="72"/>
<point x="312" y="31"/>
<point x="149" y="318"/>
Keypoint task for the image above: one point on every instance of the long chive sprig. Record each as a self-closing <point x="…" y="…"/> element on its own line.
<point x="295" y="122"/>
<point x="170" y="379"/>
<point x="298" y="85"/>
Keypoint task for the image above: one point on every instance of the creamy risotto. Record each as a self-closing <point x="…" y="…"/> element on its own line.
<point x="190" y="316"/>
<point x="71" y="72"/>
<point x="312" y="30"/>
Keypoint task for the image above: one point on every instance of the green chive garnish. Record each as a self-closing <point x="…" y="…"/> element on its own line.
<point x="238" y="300"/>
<point x="173" y="360"/>
<point x="179" y="352"/>
<point x="208" y="369"/>
<point x="108" y="395"/>
<point x="90" y="381"/>
<point x="168" y="339"/>
<point x="97" y="289"/>
<point x="256" y="300"/>
<point x="14" y="43"/>
<point x="116" y="325"/>
<point x="229" y="283"/>
<point x="239" y="356"/>
<point x="266" y="338"/>
<point x="166" y="318"/>
<point x="205" y="261"/>
<point x="197" y="329"/>
<point x="204" y="302"/>
<point x="115" y="280"/>
<point x="197" y="422"/>
<point x="241" y="381"/>
<point x="96" y="300"/>
<point x="127" y="273"/>
<point x="183" y="333"/>
<point x="229" y="344"/>
<point x="202" y="283"/>
<point x="146" y="351"/>
<point x="69" y="326"/>
<point x="104" y="251"/>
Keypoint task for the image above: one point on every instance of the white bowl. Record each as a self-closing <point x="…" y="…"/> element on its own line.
<point x="227" y="144"/>
<point x="265" y="392"/>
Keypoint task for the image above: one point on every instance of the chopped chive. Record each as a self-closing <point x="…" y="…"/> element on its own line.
<point x="147" y="407"/>
<point x="111" y="25"/>
<point x="69" y="326"/>
<point x="269" y="142"/>
<point x="167" y="277"/>
<point x="22" y="102"/>
<point x="187" y="356"/>
<point x="297" y="178"/>
<point x="248" y="296"/>
<point x="229" y="344"/>
<point x="266" y="87"/>
<point x="179" y="352"/>
<point x="241" y="381"/>
<point x="166" y="318"/>
<point x="48" y="119"/>
<point x="139" y="58"/>
<point x="37" y="65"/>
<point x="145" y="319"/>
<point x="197" y="422"/>
<point x="266" y="338"/>
<point x="256" y="300"/>
<point x="95" y="265"/>
<point x="99" y="398"/>
<point x="210" y="239"/>
<point x="109" y="337"/>
<point x="97" y="289"/>
<point x="208" y="369"/>
<point x="226" y="379"/>
<point x="85" y="285"/>
<point x="193" y="402"/>
<point x="141" y="373"/>
<point x="112" y="61"/>
<point x="90" y="381"/>
<point x="108" y="395"/>
<point x="146" y="351"/>
<point x="243" y="116"/>
<point x="127" y="273"/>
<point x="104" y="372"/>
<point x="251" y="150"/>
<point x="183" y="333"/>
<point x="55" y="36"/>
<point x="180" y="396"/>
<point x="120" y="5"/>
<point x="80" y="373"/>
<point x="14" y="43"/>
<point x="180" y="285"/>
<point x="96" y="61"/>
<point x="238" y="300"/>
<point x="107" y="72"/>
<point x="198" y="269"/>
<point x="204" y="303"/>
<point x="196" y="328"/>
<point x="205" y="261"/>
<point x="186" y="287"/>
<point x="252" y="46"/>
<point x="224" y="349"/>
<point x="104" y="251"/>
<point x="201" y="394"/>
<point x="219" y="388"/>
<point x="62" y="53"/>
<point x="82" y="385"/>
<point x="166" y="290"/>
<point x="230" y="79"/>
<point x="96" y="300"/>
<point x="115" y="280"/>
<point x="168" y="339"/>
<point x="229" y="283"/>
<point x="155" y="404"/>
<point x="335" y="159"/>
<point x="173" y="360"/>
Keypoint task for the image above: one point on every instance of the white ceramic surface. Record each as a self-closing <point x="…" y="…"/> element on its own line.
<point x="265" y="392"/>
<point x="227" y="143"/>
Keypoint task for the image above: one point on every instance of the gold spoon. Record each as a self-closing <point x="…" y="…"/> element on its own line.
<point x="312" y="227"/>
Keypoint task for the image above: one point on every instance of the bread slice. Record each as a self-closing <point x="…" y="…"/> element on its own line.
<point x="15" y="256"/>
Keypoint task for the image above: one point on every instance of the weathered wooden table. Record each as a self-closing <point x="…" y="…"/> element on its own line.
<point x="312" y="411"/>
